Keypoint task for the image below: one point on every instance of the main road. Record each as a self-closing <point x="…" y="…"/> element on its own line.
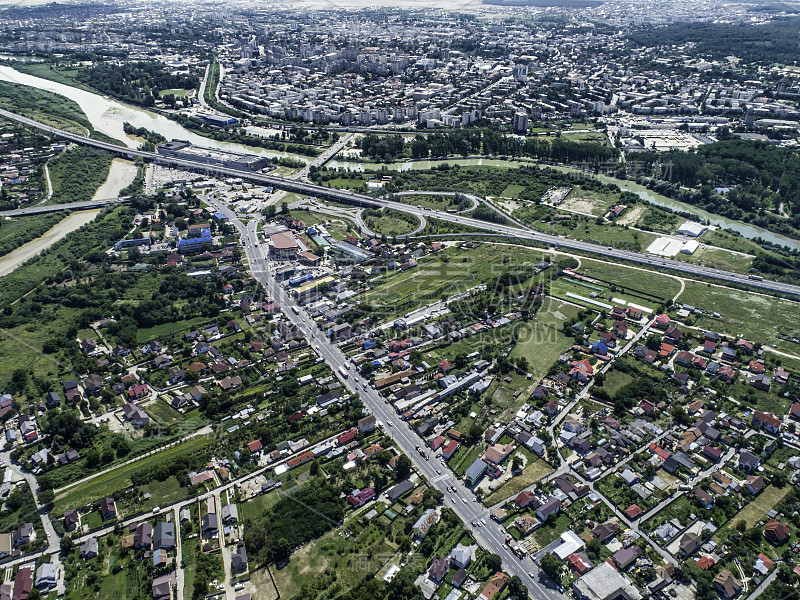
<point x="488" y="533"/>
<point x="310" y="189"/>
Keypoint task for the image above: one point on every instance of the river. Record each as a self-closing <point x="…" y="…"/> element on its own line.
<point x="120" y="175"/>
<point x="744" y="229"/>
<point x="108" y="116"/>
<point x="11" y="261"/>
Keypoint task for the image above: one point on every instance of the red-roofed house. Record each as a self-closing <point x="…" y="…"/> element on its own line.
<point x="633" y="511"/>
<point x="449" y="449"/>
<point x="766" y="421"/>
<point x="255" y="446"/>
<point x="361" y="497"/>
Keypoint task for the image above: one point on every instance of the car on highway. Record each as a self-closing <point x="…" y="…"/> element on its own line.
<point x="464" y="500"/>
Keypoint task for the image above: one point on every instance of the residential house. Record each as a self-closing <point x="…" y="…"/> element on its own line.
<point x="89" y="548"/>
<point x="689" y="543"/>
<point x="550" y="507"/>
<point x="108" y="510"/>
<point x="766" y="421"/>
<point x="777" y="533"/>
<point x="748" y="462"/>
<point x="754" y="484"/>
<point x="135" y="415"/>
<point x="727" y="585"/>
<point x="497" y="584"/>
<point x="438" y="569"/>
<point x="164" y="536"/>
<point x="239" y="559"/>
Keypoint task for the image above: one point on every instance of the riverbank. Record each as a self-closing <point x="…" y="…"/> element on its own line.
<point x="108" y="117"/>
<point x="11" y="261"/>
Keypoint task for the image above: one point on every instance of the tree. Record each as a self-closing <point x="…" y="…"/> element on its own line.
<point x="551" y="567"/>
<point x="403" y="466"/>
<point x="65" y="545"/>
<point x="516" y="588"/>
<point x="280" y="551"/>
<point x="402" y="587"/>
<point x="494" y="562"/>
<point x="474" y="433"/>
<point x="516" y="464"/>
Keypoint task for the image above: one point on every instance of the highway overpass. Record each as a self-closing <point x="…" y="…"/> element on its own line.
<point x="71" y="206"/>
<point x="347" y="197"/>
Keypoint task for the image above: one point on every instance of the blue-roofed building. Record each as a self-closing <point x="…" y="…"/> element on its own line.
<point x="600" y="348"/>
<point x="218" y="216"/>
<point x="193" y="244"/>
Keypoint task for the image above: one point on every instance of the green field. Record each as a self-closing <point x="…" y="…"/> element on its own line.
<point x="615" y="381"/>
<point x="175" y="92"/>
<point x="718" y="258"/>
<point x="640" y="280"/>
<point x="163" y="413"/>
<point x="119" y="478"/>
<point x="534" y="470"/>
<point x="389" y="225"/>
<point x="167" y="330"/>
<point x="512" y="191"/>
<point x="758" y="508"/>
<point x="448" y="272"/>
<point x="63" y="75"/>
<point x="753" y="315"/>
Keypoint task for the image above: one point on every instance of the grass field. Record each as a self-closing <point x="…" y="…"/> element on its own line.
<point x="167" y="330"/>
<point x="118" y="478"/>
<point x="175" y="92"/>
<point x="534" y="470"/>
<point x="448" y="272"/>
<point x="718" y="259"/>
<point x="758" y="508"/>
<point x="755" y="316"/>
<point x="633" y="278"/>
<point x="46" y="71"/>
<point x="463" y="458"/>
<point x="512" y="191"/>
<point x="344" y="183"/>
<point x="163" y="413"/>
<point x="615" y="381"/>
<point x="595" y="137"/>
<point x="45" y="107"/>
<point x="541" y="341"/>
<point x="256" y="507"/>
<point x="390" y="225"/>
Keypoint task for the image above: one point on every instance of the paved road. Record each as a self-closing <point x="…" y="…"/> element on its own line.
<point x="41" y="209"/>
<point x="491" y="536"/>
<point x="362" y="200"/>
<point x="53" y="541"/>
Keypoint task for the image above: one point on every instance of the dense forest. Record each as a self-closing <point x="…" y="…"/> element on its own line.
<point x="136" y="82"/>
<point x="762" y="181"/>
<point x="474" y="141"/>
<point x="776" y="42"/>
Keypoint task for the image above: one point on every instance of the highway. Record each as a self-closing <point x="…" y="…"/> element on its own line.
<point x="301" y="187"/>
<point x="490" y="536"/>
